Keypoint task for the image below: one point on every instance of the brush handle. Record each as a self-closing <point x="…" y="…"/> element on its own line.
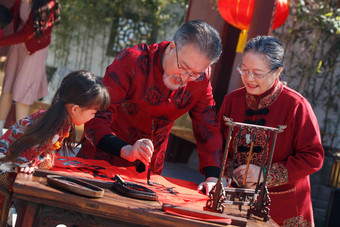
<point x="248" y="162"/>
<point x="152" y="139"/>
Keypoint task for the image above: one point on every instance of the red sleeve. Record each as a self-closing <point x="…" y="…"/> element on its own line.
<point x="117" y="81"/>
<point x="224" y="111"/>
<point x="26" y="33"/>
<point x="308" y="153"/>
<point x="206" y="130"/>
<point x="221" y="113"/>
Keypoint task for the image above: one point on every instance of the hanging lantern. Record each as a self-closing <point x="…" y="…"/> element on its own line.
<point x="239" y="12"/>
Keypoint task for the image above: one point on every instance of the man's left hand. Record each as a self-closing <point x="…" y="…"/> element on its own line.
<point x="207" y="185"/>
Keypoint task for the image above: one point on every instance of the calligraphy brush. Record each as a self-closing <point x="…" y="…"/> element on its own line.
<point x="247" y="168"/>
<point x="152" y="139"/>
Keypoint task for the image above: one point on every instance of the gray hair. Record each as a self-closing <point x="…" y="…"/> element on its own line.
<point x="201" y="35"/>
<point x="269" y="46"/>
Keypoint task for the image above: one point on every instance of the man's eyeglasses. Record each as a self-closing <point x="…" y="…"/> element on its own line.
<point x="198" y="77"/>
<point x="244" y="72"/>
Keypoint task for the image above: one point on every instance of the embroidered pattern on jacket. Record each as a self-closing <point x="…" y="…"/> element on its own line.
<point x="154" y="96"/>
<point x="182" y="99"/>
<point x="243" y="148"/>
<point x="278" y="175"/>
<point x="283" y="192"/>
<point x="143" y="63"/>
<point x="130" y="108"/>
<point x="266" y="100"/>
<point x="297" y="221"/>
<point x="210" y="115"/>
<point x="202" y="133"/>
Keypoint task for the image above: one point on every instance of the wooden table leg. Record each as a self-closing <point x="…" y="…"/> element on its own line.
<point x="6" y="203"/>
<point x="26" y="213"/>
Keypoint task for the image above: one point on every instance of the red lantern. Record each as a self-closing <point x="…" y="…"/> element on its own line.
<point x="239" y="12"/>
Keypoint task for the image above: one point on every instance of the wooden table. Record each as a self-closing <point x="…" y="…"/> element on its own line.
<point x="38" y="204"/>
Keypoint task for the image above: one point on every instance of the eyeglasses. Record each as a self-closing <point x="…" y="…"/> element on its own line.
<point x="198" y="77"/>
<point x="244" y="72"/>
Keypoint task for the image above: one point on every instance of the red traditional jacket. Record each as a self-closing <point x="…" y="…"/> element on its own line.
<point x="298" y="151"/>
<point x="27" y="34"/>
<point x="40" y="156"/>
<point x="139" y="96"/>
<point x="32" y="156"/>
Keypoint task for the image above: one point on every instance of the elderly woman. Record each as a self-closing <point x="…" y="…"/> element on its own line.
<point x="265" y="100"/>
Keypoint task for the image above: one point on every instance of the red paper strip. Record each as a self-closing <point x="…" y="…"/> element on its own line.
<point x="197" y="215"/>
<point x="172" y="191"/>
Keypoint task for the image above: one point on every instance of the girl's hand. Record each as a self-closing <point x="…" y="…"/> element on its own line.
<point x="28" y="170"/>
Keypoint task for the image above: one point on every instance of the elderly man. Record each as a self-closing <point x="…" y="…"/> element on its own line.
<point x="150" y="87"/>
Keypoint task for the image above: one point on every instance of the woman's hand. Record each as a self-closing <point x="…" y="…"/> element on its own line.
<point x="252" y="175"/>
<point x="28" y="170"/>
<point x="207" y="185"/>
<point x="141" y="150"/>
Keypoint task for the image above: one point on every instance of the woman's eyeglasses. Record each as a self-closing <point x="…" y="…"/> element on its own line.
<point x="244" y="72"/>
<point x="198" y="77"/>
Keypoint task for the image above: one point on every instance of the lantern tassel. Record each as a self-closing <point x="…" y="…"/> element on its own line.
<point x="242" y="40"/>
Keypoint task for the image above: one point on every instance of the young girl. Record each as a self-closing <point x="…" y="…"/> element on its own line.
<point x="31" y="142"/>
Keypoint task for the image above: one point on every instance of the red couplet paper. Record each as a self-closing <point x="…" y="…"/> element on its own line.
<point x="170" y="191"/>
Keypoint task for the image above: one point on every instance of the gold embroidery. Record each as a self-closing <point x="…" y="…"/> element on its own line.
<point x="283" y="192"/>
<point x="297" y="221"/>
<point x="266" y="100"/>
<point x="278" y="175"/>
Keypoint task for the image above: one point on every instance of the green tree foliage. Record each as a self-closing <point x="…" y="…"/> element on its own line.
<point x="311" y="37"/>
<point x="85" y="22"/>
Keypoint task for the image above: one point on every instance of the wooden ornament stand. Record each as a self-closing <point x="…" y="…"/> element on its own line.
<point x="258" y="198"/>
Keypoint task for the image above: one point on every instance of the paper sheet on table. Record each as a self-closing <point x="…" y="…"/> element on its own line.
<point x="169" y="190"/>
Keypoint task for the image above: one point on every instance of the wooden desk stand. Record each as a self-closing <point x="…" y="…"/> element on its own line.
<point x="38" y="205"/>
<point x="258" y="198"/>
<point x="5" y="182"/>
<point x="5" y="193"/>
